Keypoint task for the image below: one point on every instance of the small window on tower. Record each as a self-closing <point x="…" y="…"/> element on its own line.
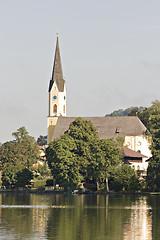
<point x="54" y="108"/>
<point x="64" y="97"/>
<point x="64" y="109"/>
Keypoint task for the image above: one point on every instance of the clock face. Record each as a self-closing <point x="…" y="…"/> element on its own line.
<point x="54" y="97"/>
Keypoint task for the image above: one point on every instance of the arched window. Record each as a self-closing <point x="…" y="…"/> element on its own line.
<point x="64" y="109"/>
<point x="55" y="108"/>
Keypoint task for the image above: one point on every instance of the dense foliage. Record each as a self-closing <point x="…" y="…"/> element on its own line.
<point x="125" y="179"/>
<point x="151" y="117"/>
<point x="23" y="177"/>
<point x="17" y="155"/>
<point x="79" y="155"/>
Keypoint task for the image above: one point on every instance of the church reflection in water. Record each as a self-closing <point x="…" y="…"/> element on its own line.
<point x="139" y="226"/>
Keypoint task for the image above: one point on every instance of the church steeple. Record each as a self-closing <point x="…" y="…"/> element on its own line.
<point x="57" y="74"/>
<point x="57" y="93"/>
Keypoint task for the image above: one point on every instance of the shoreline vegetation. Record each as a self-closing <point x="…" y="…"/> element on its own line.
<point x="77" y="158"/>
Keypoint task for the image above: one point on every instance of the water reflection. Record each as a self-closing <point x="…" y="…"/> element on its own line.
<point x="140" y="223"/>
<point x="84" y="217"/>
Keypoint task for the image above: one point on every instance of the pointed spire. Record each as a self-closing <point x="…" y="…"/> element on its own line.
<point x="57" y="74"/>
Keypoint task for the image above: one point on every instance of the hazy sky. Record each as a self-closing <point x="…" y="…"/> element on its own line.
<point x="110" y="53"/>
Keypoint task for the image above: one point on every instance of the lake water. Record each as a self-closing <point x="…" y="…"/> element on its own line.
<point x="79" y="217"/>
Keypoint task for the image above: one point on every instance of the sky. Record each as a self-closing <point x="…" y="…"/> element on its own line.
<point x="110" y="52"/>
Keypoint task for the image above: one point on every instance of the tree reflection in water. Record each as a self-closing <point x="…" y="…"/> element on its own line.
<point x="81" y="217"/>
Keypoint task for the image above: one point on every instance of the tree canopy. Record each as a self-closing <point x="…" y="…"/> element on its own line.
<point x="80" y="154"/>
<point x="124" y="178"/>
<point x="17" y="155"/>
<point x="151" y="117"/>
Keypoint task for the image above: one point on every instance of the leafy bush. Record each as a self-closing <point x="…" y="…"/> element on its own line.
<point x="125" y="179"/>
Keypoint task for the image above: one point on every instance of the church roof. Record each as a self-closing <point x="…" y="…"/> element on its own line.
<point x="107" y="127"/>
<point x="57" y="74"/>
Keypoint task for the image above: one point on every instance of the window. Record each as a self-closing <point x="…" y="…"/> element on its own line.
<point x="55" y="108"/>
<point x="117" y="130"/>
<point x="64" y="108"/>
<point x="139" y="151"/>
<point x="139" y="143"/>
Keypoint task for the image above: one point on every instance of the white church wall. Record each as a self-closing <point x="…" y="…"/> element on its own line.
<point x="138" y="143"/>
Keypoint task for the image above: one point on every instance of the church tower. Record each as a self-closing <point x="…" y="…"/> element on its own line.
<point x="57" y="94"/>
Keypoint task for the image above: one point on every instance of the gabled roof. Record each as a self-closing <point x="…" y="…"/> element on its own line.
<point x="107" y="127"/>
<point x="57" y="74"/>
<point x="130" y="153"/>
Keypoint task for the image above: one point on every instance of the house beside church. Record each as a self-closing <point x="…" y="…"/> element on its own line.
<point x="136" y="160"/>
<point x="136" y="135"/>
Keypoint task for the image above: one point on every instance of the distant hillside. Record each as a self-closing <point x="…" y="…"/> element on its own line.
<point x="132" y="111"/>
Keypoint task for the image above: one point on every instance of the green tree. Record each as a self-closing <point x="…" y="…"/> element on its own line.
<point x="83" y="133"/>
<point x="21" y="153"/>
<point x="105" y="156"/>
<point x="23" y="177"/>
<point x="28" y="145"/>
<point x="113" y="157"/>
<point x="68" y="156"/>
<point x="125" y="179"/>
<point x="20" y="135"/>
<point x="63" y="162"/>
<point x="10" y="155"/>
<point x="80" y="154"/>
<point x="153" y="178"/>
<point x="151" y="119"/>
<point x="147" y="114"/>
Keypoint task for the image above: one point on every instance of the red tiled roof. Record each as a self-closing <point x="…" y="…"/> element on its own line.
<point x="130" y="153"/>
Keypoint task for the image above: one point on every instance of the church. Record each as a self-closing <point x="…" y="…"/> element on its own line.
<point x="137" y="137"/>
